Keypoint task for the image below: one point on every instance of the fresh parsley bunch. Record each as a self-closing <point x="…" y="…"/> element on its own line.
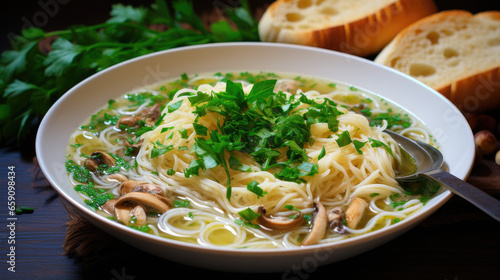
<point x="32" y="80"/>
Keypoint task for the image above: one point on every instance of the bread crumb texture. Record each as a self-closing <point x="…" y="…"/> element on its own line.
<point x="359" y="27"/>
<point x="456" y="53"/>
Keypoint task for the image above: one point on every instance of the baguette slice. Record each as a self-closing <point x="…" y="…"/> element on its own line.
<point x="359" y="27"/>
<point x="454" y="52"/>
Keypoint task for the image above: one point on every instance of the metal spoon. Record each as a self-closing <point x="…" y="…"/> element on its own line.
<point x="429" y="161"/>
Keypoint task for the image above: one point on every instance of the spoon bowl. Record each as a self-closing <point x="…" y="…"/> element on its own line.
<point x="428" y="161"/>
<point x="426" y="157"/>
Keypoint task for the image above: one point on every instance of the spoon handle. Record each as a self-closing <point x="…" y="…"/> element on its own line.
<point x="480" y="199"/>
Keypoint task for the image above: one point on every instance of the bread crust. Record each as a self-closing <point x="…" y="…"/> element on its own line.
<point x="477" y="93"/>
<point x="472" y="93"/>
<point x="363" y="37"/>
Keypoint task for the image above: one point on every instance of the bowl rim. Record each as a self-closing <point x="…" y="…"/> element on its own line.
<point x="367" y="237"/>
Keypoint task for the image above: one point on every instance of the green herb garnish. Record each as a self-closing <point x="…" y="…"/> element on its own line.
<point x="182" y="203"/>
<point x="254" y="187"/>
<point x="248" y="214"/>
<point x="80" y="173"/>
<point x="32" y="80"/>
<point x="97" y="196"/>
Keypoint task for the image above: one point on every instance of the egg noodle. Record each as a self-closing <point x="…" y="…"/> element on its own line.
<point x="211" y="211"/>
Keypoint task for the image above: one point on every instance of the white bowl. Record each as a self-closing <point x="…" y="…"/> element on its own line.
<point x="443" y="119"/>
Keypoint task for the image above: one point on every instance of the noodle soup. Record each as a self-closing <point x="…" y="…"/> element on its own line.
<point x="248" y="160"/>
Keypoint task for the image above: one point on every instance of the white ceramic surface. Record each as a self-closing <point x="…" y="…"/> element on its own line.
<point x="443" y="119"/>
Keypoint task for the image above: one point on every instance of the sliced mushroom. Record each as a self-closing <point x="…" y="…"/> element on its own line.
<point x="278" y="223"/>
<point x="122" y="214"/>
<point x="129" y="121"/>
<point x="109" y="206"/>
<point x="149" y="188"/>
<point x="133" y="144"/>
<point x="151" y="202"/>
<point x="98" y="158"/>
<point x="151" y="114"/>
<point x="335" y="217"/>
<point x="139" y="213"/>
<point x="128" y="186"/>
<point x="139" y="186"/>
<point x="355" y="212"/>
<point x="117" y="177"/>
<point x="319" y="223"/>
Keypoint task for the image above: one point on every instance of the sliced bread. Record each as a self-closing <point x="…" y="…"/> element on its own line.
<point x="359" y="27"/>
<point x="454" y="52"/>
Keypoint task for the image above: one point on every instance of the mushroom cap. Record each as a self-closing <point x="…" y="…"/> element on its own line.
<point x="136" y="145"/>
<point x="319" y="225"/>
<point x="152" y="114"/>
<point x="109" y="206"/>
<point x="152" y="202"/>
<point x="128" y="186"/>
<point x="98" y="158"/>
<point x="139" y="186"/>
<point x="335" y="217"/>
<point x="129" y="121"/>
<point x="278" y="223"/>
<point x="334" y="214"/>
<point x="149" y="188"/>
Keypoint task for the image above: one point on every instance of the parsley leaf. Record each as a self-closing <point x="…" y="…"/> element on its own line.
<point x="62" y="55"/>
<point x="358" y="145"/>
<point x="172" y="107"/>
<point x="159" y="149"/>
<point x="81" y="51"/>
<point x="376" y="143"/>
<point x="121" y="13"/>
<point x="322" y="153"/>
<point x="261" y="90"/>
<point x="15" y="60"/>
<point x="344" y="139"/>
<point x="254" y="187"/>
<point x="248" y="214"/>
<point x="294" y="173"/>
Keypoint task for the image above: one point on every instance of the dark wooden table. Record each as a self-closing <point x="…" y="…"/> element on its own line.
<point x="457" y="242"/>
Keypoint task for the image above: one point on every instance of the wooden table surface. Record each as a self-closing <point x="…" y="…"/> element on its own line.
<point x="457" y="242"/>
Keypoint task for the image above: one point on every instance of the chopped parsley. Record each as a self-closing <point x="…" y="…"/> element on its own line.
<point x="392" y="119"/>
<point x="254" y="187"/>
<point x="422" y="187"/>
<point x="97" y="196"/>
<point x="80" y="173"/>
<point x="291" y="207"/>
<point x="159" y="149"/>
<point x="172" y="107"/>
<point x="170" y="172"/>
<point x="248" y="216"/>
<point x="144" y="228"/>
<point x="344" y="139"/>
<point x="260" y="123"/>
<point x="178" y="203"/>
<point x="322" y="153"/>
